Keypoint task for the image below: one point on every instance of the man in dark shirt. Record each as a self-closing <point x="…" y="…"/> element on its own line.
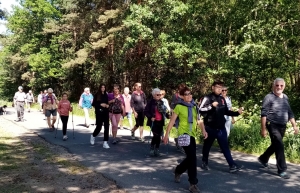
<point x="275" y="113"/>
<point x="213" y="108"/>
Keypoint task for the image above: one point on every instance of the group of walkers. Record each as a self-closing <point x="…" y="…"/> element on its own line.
<point x="22" y="101"/>
<point x="213" y="115"/>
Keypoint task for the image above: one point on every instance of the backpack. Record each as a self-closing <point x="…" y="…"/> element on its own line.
<point x="116" y="107"/>
<point x="161" y="107"/>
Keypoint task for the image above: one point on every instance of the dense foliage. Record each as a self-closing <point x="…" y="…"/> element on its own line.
<point x="71" y="44"/>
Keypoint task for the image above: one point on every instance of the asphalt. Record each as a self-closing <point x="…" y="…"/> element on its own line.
<point x="129" y="166"/>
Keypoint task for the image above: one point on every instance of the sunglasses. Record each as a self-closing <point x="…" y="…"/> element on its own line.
<point x="187" y="94"/>
<point x="277" y="85"/>
<point x="158" y="94"/>
<point x="224" y="90"/>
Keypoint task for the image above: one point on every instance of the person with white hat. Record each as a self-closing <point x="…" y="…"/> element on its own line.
<point x="19" y="102"/>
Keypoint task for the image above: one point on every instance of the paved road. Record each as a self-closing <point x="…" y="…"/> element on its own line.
<point x="127" y="164"/>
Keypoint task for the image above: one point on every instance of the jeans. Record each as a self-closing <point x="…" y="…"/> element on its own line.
<point x="276" y="133"/>
<point x="190" y="162"/>
<point x="64" y="120"/>
<point x="221" y="136"/>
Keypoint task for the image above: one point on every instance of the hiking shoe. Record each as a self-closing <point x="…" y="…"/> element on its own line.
<point x="204" y="166"/>
<point x="177" y="176"/>
<point x="194" y="188"/>
<point x="53" y="127"/>
<point x="156" y="152"/>
<point x="114" y="142"/>
<point x="92" y="140"/>
<point x="266" y="165"/>
<point x="105" y="145"/>
<point x="235" y="168"/>
<point x="284" y="175"/>
<point x="132" y="135"/>
<point x="65" y="138"/>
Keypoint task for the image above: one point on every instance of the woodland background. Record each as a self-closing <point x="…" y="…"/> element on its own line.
<point x="72" y="44"/>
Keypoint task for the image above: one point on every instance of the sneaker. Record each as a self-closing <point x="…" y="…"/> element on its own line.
<point x="117" y="140"/>
<point x="114" y="142"/>
<point x="92" y="140"/>
<point x="151" y="153"/>
<point x="142" y="139"/>
<point x="194" y="188"/>
<point x="235" y="168"/>
<point x="87" y="126"/>
<point x="177" y="176"/>
<point x="204" y="166"/>
<point x="121" y="127"/>
<point x="132" y="135"/>
<point x="105" y="145"/>
<point x="284" y="175"/>
<point x="156" y="152"/>
<point x="266" y="165"/>
<point x="53" y="127"/>
<point x="65" y="138"/>
<point x="181" y="149"/>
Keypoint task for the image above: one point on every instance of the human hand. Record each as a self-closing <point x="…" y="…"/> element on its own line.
<point x="296" y="130"/>
<point x="166" y="139"/>
<point x="204" y="133"/>
<point x="215" y="104"/>
<point x="263" y="132"/>
<point x="233" y="121"/>
<point x="241" y="110"/>
<point x="135" y="114"/>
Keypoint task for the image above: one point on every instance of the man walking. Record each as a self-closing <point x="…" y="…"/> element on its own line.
<point x="19" y="102"/>
<point x="213" y="108"/>
<point x="275" y="113"/>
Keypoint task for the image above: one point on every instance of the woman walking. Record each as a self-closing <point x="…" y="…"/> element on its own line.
<point x="50" y="108"/>
<point x="155" y="111"/>
<point x="100" y="103"/>
<point x="116" y="110"/>
<point x="186" y="111"/>
<point x="40" y="100"/>
<point x="85" y="102"/>
<point x="138" y="103"/>
<point x="64" y="107"/>
<point x="229" y="120"/>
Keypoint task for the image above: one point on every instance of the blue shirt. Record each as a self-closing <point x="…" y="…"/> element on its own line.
<point x="86" y="100"/>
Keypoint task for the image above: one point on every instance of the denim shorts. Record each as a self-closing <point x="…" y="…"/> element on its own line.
<point x="128" y="115"/>
<point x="52" y="112"/>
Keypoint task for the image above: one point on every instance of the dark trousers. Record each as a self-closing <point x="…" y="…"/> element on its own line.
<point x="221" y="136"/>
<point x="156" y="129"/>
<point x="64" y="120"/>
<point x="102" y="118"/>
<point x="276" y="133"/>
<point x="190" y="162"/>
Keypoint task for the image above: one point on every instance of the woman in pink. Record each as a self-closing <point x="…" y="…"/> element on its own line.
<point x="116" y="110"/>
<point x="64" y="107"/>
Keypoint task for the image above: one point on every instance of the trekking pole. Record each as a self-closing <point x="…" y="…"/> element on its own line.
<point x="57" y="126"/>
<point x="73" y="124"/>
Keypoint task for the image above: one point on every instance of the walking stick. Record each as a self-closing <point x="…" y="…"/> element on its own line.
<point x="57" y="126"/>
<point x="73" y="123"/>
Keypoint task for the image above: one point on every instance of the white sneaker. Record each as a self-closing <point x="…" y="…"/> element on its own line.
<point x="105" y="145"/>
<point x="65" y="138"/>
<point x="92" y="140"/>
<point x="121" y="127"/>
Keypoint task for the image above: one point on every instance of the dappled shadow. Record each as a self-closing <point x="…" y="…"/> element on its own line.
<point x="128" y="163"/>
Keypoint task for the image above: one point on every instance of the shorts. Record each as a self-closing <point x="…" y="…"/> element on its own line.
<point x="52" y="112"/>
<point x="139" y="120"/>
<point x="128" y="115"/>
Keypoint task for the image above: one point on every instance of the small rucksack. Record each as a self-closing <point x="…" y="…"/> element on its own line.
<point x="161" y="107"/>
<point x="116" y="107"/>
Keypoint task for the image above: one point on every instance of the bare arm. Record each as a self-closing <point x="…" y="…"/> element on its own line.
<point x="169" y="127"/>
<point x="292" y="120"/>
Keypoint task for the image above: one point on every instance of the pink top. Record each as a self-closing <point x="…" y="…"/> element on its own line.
<point x="64" y="107"/>
<point x="158" y="116"/>
<point x="127" y="99"/>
